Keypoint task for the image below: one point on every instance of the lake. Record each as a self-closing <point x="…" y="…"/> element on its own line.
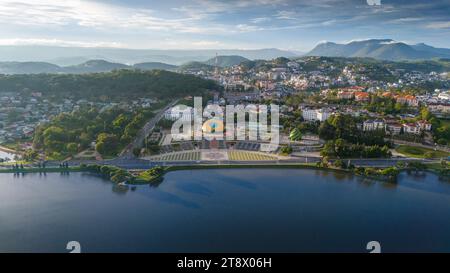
<point x="225" y="210"/>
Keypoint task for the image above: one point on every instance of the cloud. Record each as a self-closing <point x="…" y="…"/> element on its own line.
<point x="286" y="15"/>
<point x="210" y="23"/>
<point x="260" y="20"/>
<point x="247" y="28"/>
<point x="206" y="43"/>
<point x="58" y="42"/>
<point x="407" y="19"/>
<point x="71" y="13"/>
<point x="438" y="25"/>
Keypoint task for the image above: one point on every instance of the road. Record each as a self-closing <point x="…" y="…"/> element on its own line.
<point x="135" y="163"/>
<point x="127" y="153"/>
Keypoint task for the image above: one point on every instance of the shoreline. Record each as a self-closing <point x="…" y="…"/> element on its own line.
<point x="42" y="170"/>
<point x="139" y="181"/>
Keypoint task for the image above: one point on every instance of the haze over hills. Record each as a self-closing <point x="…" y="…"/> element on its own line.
<point x="66" y="56"/>
<point x="91" y="66"/>
<point x="225" y="61"/>
<point x="155" y="65"/>
<point x="28" y="68"/>
<point x="97" y="66"/>
<point x="380" y="49"/>
<point x="383" y="49"/>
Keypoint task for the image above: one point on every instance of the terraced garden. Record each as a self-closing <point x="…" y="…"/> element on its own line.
<point x="249" y="156"/>
<point x="179" y="156"/>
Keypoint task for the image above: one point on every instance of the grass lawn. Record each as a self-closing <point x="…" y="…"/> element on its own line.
<point x="11" y="163"/>
<point x="437" y="166"/>
<point x="419" y="152"/>
<point x="445" y="122"/>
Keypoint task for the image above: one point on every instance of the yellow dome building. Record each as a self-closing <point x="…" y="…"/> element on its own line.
<point x="212" y="126"/>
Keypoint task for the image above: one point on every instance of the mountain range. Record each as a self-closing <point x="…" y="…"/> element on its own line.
<point x="382" y="49"/>
<point x="67" y="56"/>
<point x="92" y="66"/>
<point x="97" y="66"/>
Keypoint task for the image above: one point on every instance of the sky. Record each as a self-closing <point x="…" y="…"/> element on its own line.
<point x="221" y="24"/>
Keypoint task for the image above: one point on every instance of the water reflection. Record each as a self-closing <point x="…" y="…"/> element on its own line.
<point x="366" y="182"/>
<point x="155" y="183"/>
<point x="195" y="189"/>
<point x="174" y="199"/>
<point x="120" y="189"/>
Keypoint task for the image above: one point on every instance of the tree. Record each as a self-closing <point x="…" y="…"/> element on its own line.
<point x="286" y="150"/>
<point x="345" y="126"/>
<point x="328" y="149"/>
<point x="30" y="155"/>
<point x="417" y="166"/>
<point x="326" y="130"/>
<point x="338" y="163"/>
<point x="107" y="144"/>
<point x="425" y="114"/>
<point x="72" y="148"/>
<point x="54" y="138"/>
<point x="340" y="147"/>
<point x="136" y="152"/>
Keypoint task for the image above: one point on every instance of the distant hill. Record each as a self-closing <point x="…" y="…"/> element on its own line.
<point x="155" y="65"/>
<point x="427" y="48"/>
<point x="426" y="66"/>
<point x="64" y="56"/>
<point x="226" y="61"/>
<point x="28" y="68"/>
<point x="383" y="49"/>
<point x="94" y="66"/>
<point x="193" y="66"/>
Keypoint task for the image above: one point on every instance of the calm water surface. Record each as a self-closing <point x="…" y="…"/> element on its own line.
<point x="242" y="210"/>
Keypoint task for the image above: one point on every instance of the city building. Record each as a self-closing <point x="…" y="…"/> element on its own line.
<point x="411" y="128"/>
<point x="424" y="125"/>
<point x="362" y="96"/>
<point x="372" y="125"/>
<point x="316" y="114"/>
<point x="345" y="95"/>
<point x="408" y="100"/>
<point x="393" y="127"/>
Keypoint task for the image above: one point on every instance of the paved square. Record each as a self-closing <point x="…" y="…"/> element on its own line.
<point x="214" y="155"/>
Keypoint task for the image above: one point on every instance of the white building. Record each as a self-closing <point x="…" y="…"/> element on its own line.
<point x="424" y="125"/>
<point x="394" y="127"/>
<point x="316" y="114"/>
<point x="372" y="125"/>
<point x="444" y="96"/>
<point x="411" y="128"/>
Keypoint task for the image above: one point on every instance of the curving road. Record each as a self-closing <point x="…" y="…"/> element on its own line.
<point x="127" y="153"/>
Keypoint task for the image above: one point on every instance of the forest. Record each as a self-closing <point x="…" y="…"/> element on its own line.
<point x="108" y="87"/>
